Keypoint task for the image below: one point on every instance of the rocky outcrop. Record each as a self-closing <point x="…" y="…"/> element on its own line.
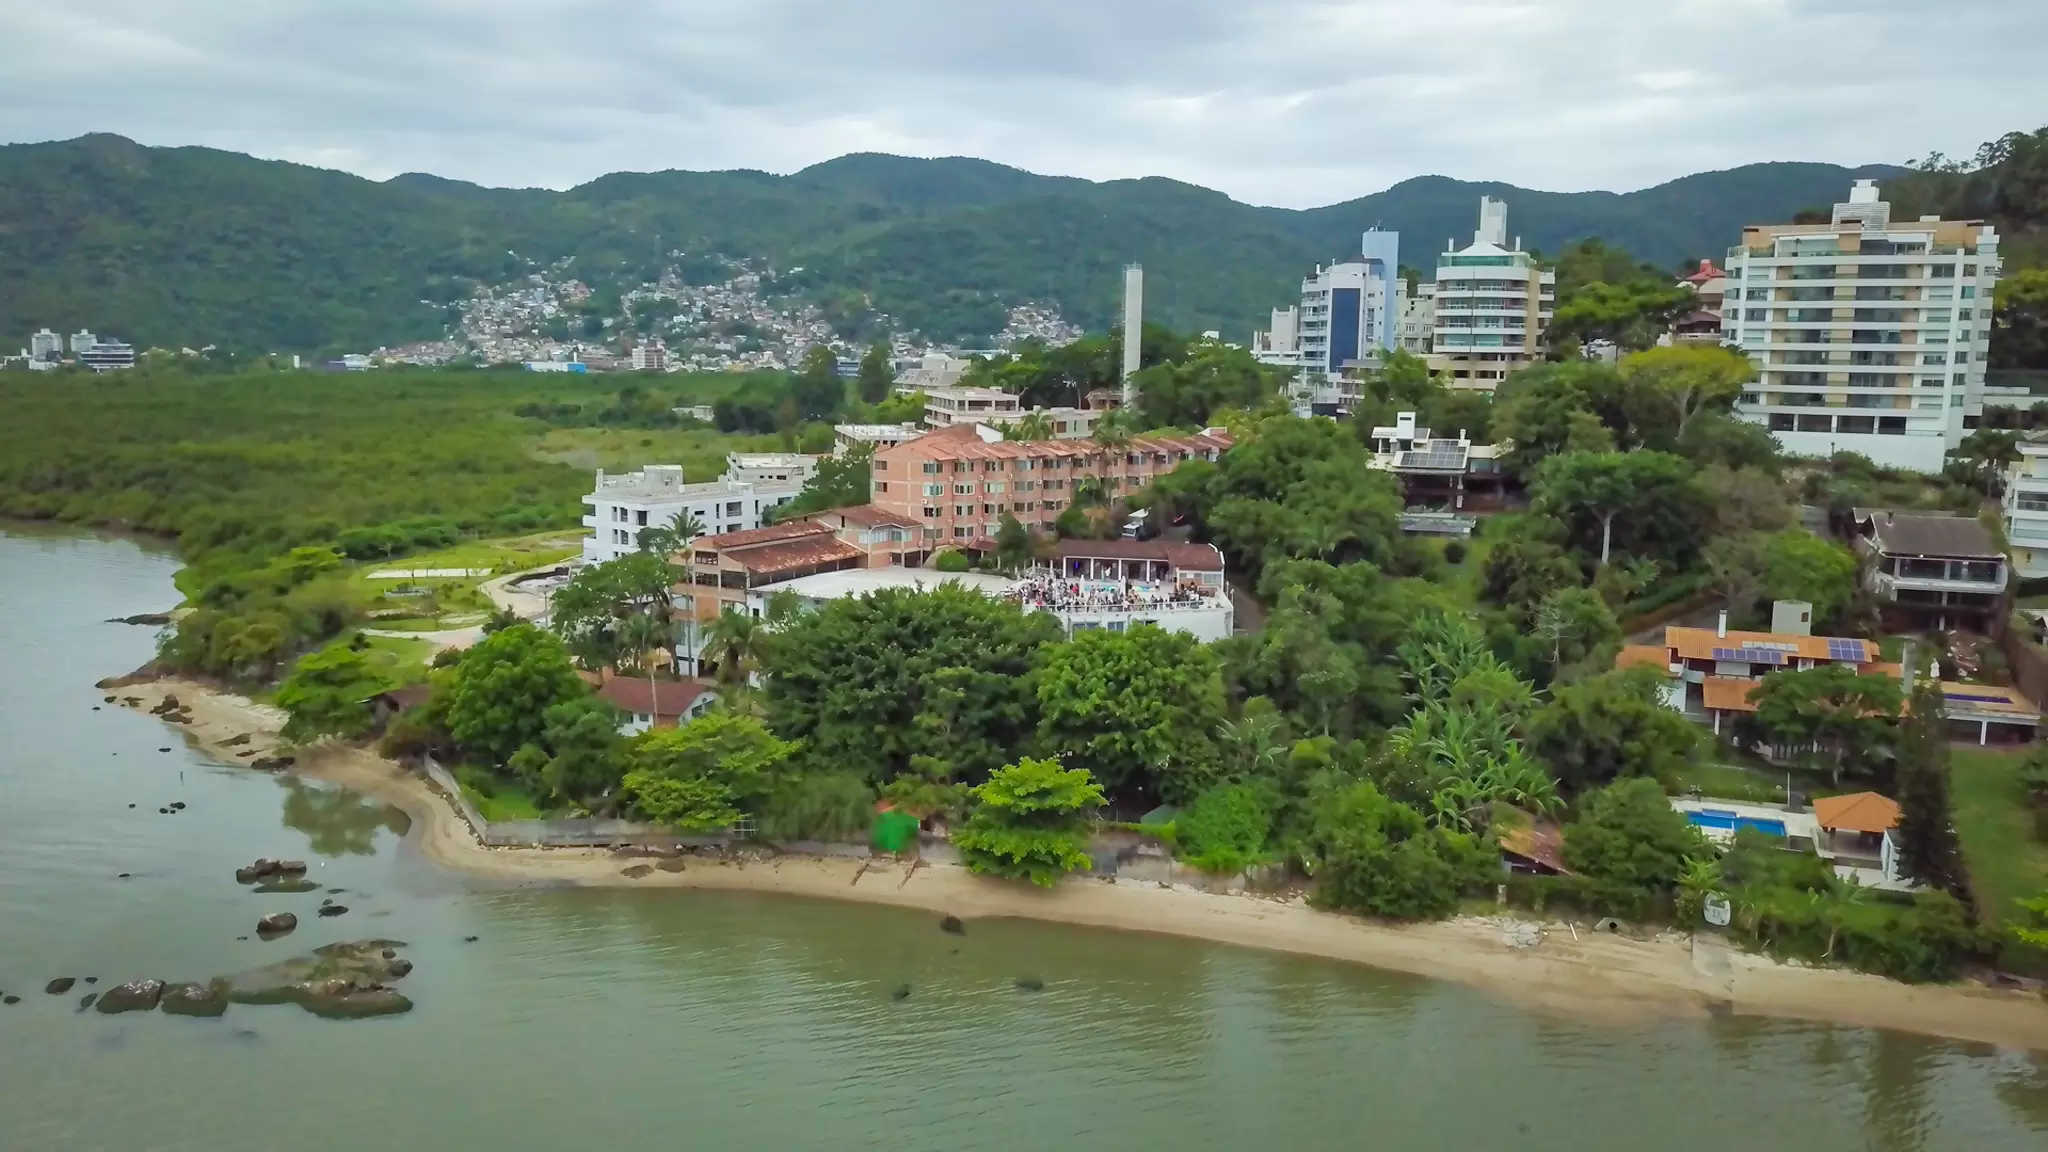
<point x="153" y="619"/>
<point x="134" y="996"/>
<point x="264" y="867"/>
<point x="333" y="909"/>
<point x="289" y="885"/>
<point x="209" y="999"/>
<point x="276" y="924"/>
<point x="60" y="985"/>
<point x="149" y="673"/>
<point x="341" y="981"/>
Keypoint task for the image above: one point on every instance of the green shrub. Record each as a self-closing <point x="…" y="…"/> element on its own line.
<point x="1225" y="830"/>
<point x="1454" y="552"/>
<point x="951" y="560"/>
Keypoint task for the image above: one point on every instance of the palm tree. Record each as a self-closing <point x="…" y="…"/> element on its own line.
<point x="735" y="643"/>
<point x="639" y="635"/>
<point x="1113" y="429"/>
<point x="1254" y="743"/>
<point x="674" y="536"/>
<point x="1034" y="425"/>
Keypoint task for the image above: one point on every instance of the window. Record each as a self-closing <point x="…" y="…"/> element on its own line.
<point x="935" y="489"/>
<point x="1962" y="356"/>
<point x="640" y="518"/>
<point x="1969" y="269"/>
<point x="993" y="466"/>
<point x="961" y="532"/>
<point x="1757" y="294"/>
<point x="963" y="509"/>
<point x="931" y="467"/>
<point x="1959" y="379"/>
<point x="1964" y="314"/>
<point x="962" y="466"/>
<point x="881" y="465"/>
<point x="1955" y="400"/>
<point x="1811" y="423"/>
<point x="1856" y="425"/>
<point x="993" y="487"/>
<point x="1969" y="292"/>
<point x="1891" y="425"/>
<point x="881" y="485"/>
<point x="732" y="507"/>
<point x="930" y="512"/>
<point x="1757" y="314"/>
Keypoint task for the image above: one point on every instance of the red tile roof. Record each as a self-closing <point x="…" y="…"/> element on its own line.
<point x="801" y="553"/>
<point x="963" y="442"/>
<point x="865" y="516"/>
<point x="651" y="698"/>
<point x="752" y="537"/>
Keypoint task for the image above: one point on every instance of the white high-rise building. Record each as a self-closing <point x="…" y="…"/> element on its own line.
<point x="1869" y="336"/>
<point x="82" y="340"/>
<point x="1493" y="304"/>
<point x="45" y="346"/>
<point x="1349" y="317"/>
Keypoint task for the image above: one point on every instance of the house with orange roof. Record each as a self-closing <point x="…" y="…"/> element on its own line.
<point x="1713" y="671"/>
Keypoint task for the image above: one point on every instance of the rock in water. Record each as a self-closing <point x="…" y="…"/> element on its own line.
<point x="900" y="992"/>
<point x="1031" y="984"/>
<point x="276" y="924"/>
<point x="340" y="981"/>
<point x="333" y="909"/>
<point x="261" y="867"/>
<point x="10" y="999"/>
<point x="60" y="985"/>
<point x="134" y="996"/>
<point x="292" y="867"/>
<point x="92" y="979"/>
<point x="637" y="871"/>
<point x="399" y="967"/>
<point x="952" y="926"/>
<point x="196" y="999"/>
<point x="469" y="939"/>
<point x="86" y="1000"/>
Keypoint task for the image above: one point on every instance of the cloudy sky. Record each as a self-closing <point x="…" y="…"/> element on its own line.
<point x="1290" y="102"/>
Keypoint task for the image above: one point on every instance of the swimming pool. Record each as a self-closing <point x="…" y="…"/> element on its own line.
<point x="1727" y="821"/>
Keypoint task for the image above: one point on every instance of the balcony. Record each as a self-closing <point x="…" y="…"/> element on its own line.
<point x="1971" y="577"/>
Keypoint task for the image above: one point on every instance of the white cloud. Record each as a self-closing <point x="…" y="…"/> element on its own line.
<point x="1293" y="102"/>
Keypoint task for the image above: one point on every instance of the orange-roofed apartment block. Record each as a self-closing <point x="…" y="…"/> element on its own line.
<point x="958" y="483"/>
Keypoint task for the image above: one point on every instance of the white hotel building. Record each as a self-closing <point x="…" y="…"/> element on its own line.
<point x="1869" y="336"/>
<point x="2026" y="510"/>
<point x="1492" y="306"/>
<point x="624" y="506"/>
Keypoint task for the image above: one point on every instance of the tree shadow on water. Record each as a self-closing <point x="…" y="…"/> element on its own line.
<point x="337" y="822"/>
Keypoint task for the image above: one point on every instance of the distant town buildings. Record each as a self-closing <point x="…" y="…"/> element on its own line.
<point x="649" y="356"/>
<point x="82" y="340"/>
<point x="46" y="350"/>
<point x="1493" y="303"/>
<point x="769" y="468"/>
<point x="1709" y="286"/>
<point x="1869" y="335"/>
<point x="947" y="405"/>
<point x="45" y="347"/>
<point x="934" y="370"/>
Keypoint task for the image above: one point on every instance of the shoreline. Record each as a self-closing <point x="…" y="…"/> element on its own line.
<point x="1579" y="976"/>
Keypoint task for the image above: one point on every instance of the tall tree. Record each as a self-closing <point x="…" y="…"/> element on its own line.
<point x="1846" y="714"/>
<point x="1797" y="565"/>
<point x="1013" y="544"/>
<point x="737" y="644"/>
<point x="876" y="376"/>
<point x="1134" y="708"/>
<point x="1928" y="849"/>
<point x="1683" y="380"/>
<point x="1651" y="491"/>
<point x="1631" y="843"/>
<point x="1610" y="726"/>
<point x="816" y="392"/>
<point x="502" y="688"/>
<point x="1026" y="823"/>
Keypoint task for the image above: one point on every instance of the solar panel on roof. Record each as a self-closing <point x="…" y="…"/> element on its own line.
<point x="1750" y="655"/>
<point x="1839" y="649"/>
<point x="1432" y="459"/>
<point x="1976" y="698"/>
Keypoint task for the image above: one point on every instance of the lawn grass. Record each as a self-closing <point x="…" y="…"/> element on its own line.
<point x="395" y="661"/>
<point x="1996" y="825"/>
<point x="496" y="799"/>
<point x="701" y="451"/>
<point x="456" y="594"/>
<point x="1731" y="782"/>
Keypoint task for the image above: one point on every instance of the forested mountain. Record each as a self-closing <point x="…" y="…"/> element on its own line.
<point x="186" y="246"/>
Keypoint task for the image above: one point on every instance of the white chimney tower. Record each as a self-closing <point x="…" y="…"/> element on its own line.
<point x="1134" y="326"/>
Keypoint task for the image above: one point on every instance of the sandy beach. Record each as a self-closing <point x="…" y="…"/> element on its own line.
<point x="1580" y="976"/>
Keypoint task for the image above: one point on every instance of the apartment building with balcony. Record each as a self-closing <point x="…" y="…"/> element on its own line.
<point x="960" y="404"/>
<point x="957" y="483"/>
<point x="1493" y="305"/>
<point x="1933" y="571"/>
<point x="2026" y="510"/>
<point x="1869" y="335"/>
<point x="1349" y="317"/>
<point x="621" y="507"/>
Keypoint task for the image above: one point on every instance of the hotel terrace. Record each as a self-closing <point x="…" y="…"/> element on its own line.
<point x="958" y="482"/>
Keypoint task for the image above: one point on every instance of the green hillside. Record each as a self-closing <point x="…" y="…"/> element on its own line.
<point x="188" y="246"/>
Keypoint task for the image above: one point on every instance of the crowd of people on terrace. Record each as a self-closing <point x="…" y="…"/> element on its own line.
<point x="1054" y="592"/>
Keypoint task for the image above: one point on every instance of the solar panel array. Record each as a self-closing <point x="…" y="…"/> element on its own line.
<point x="1852" y="650"/>
<point x="1441" y="454"/>
<point x="1750" y="655"/>
<point x="1971" y="696"/>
